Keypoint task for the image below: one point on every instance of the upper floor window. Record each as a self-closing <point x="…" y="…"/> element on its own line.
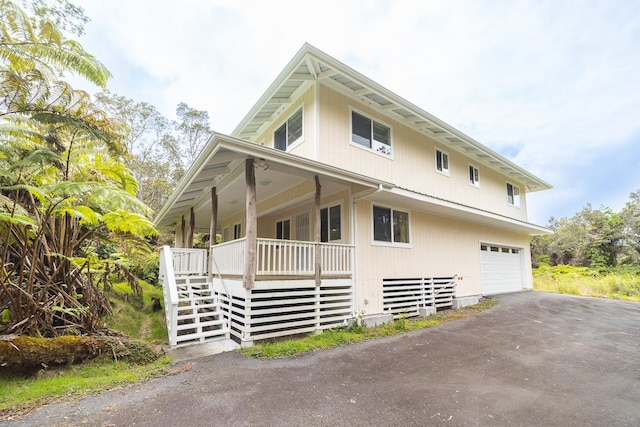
<point x="289" y="133"/>
<point x="330" y="224"/>
<point x="513" y="195"/>
<point x="390" y="225"/>
<point x="474" y="176"/>
<point x="370" y="133"/>
<point x="442" y="161"/>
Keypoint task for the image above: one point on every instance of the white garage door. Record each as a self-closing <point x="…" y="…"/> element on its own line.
<point x="501" y="269"/>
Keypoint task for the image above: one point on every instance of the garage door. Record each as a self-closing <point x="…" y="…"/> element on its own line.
<point x="501" y="269"/>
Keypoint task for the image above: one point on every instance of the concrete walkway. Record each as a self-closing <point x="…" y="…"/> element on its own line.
<point x="535" y="359"/>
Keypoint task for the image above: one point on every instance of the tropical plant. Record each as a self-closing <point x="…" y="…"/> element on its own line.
<point x="65" y="194"/>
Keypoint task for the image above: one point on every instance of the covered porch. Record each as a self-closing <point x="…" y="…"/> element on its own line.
<point x="281" y="263"/>
<point x="206" y="297"/>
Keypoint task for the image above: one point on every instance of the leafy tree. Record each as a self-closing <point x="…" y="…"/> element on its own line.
<point x="591" y="238"/>
<point x="631" y="216"/>
<point x="191" y="133"/>
<point x="146" y="132"/>
<point x="64" y="193"/>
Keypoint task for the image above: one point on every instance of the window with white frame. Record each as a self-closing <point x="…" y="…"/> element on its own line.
<point x="225" y="234"/>
<point x="390" y="225"/>
<point x="474" y="176"/>
<point x="237" y="231"/>
<point x="331" y="224"/>
<point x="289" y="133"/>
<point x="513" y="195"/>
<point x="370" y="134"/>
<point x="442" y="161"/>
<point x="283" y="229"/>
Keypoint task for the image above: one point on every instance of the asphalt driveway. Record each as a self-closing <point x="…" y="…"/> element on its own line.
<point x="535" y="359"/>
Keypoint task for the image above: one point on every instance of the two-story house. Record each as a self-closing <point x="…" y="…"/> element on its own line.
<point x="334" y="198"/>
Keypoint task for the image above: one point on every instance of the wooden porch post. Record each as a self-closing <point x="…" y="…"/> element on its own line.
<point x="184" y="234"/>
<point x="192" y="225"/>
<point x="214" y="217"/>
<point x="251" y="234"/>
<point x="317" y="227"/>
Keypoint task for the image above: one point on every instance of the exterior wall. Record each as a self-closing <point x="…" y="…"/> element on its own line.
<point x="412" y="165"/>
<point x="440" y="247"/>
<point x="307" y="147"/>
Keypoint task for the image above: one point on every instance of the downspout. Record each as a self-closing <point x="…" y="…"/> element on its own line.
<point x="354" y="270"/>
<point x="353" y="225"/>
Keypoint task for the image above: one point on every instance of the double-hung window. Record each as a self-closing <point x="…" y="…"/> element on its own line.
<point x="289" y="133"/>
<point x="390" y="225"/>
<point x="330" y="224"/>
<point x="513" y="195"/>
<point x="370" y="134"/>
<point x="442" y="161"/>
<point x="474" y="176"/>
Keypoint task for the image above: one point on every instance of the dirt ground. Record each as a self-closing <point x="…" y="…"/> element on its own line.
<point x="535" y="359"/>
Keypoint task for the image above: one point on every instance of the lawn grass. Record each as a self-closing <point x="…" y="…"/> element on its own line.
<point x="22" y="392"/>
<point x="619" y="283"/>
<point x="356" y="333"/>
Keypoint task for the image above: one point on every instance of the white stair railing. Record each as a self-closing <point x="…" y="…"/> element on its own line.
<point x="170" y="292"/>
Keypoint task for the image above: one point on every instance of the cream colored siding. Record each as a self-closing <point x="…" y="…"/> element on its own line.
<point x="440" y="247"/>
<point x="412" y="165"/>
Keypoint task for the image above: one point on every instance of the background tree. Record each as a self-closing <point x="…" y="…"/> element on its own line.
<point x="592" y="238"/>
<point x="631" y="216"/>
<point x="191" y="132"/>
<point x="159" y="150"/>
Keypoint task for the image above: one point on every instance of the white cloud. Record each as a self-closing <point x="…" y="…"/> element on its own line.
<point x="553" y="83"/>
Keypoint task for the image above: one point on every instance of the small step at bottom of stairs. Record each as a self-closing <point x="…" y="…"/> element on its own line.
<point x="197" y="350"/>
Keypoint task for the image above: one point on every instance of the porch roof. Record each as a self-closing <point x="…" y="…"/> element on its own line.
<point x="221" y="165"/>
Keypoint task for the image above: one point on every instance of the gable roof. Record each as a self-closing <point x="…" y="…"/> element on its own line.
<point x="311" y="64"/>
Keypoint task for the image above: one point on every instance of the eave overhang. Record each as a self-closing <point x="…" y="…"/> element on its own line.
<point x="310" y="65"/>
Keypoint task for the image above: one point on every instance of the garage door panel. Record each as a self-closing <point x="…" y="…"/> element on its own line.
<point x="501" y="270"/>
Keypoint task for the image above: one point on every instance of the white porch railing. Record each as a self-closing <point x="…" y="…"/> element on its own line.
<point x="282" y="257"/>
<point x="188" y="262"/>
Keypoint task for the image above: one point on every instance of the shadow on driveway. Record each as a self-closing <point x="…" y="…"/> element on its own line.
<point x="535" y="359"/>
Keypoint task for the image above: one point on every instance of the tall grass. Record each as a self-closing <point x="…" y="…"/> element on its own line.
<point x="137" y="319"/>
<point x="621" y="283"/>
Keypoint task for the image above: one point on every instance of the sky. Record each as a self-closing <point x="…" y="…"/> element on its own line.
<point x="551" y="85"/>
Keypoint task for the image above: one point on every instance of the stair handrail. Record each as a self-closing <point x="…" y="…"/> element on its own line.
<point x="170" y="293"/>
